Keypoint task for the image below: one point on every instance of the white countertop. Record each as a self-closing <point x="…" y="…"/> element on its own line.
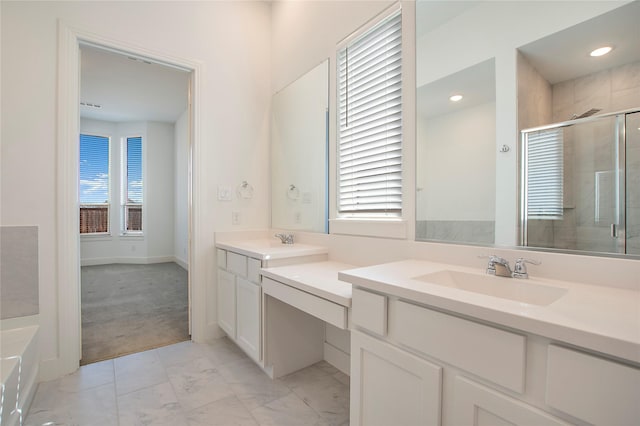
<point x="603" y="319"/>
<point x="318" y="278"/>
<point x="266" y="249"/>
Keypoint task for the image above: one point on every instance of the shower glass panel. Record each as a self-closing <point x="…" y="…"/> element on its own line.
<point x="633" y="182"/>
<point x="580" y="185"/>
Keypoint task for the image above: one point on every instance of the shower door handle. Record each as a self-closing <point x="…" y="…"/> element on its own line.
<point x="614" y="230"/>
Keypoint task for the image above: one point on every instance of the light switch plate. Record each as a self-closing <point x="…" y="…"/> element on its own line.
<point x="225" y="193"/>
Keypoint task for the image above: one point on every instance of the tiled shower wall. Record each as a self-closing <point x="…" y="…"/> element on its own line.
<point x="610" y="90"/>
<point x="19" y="271"/>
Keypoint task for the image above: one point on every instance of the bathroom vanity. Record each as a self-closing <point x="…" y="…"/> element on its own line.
<point x="239" y="300"/>
<point x="427" y="350"/>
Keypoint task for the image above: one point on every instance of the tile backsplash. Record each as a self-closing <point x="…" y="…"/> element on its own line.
<point x="18" y="271"/>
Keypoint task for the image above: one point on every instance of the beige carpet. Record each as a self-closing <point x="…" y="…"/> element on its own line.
<point x="132" y="308"/>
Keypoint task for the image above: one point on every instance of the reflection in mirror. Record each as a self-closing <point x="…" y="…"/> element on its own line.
<point x="299" y="153"/>
<point x="576" y="192"/>
<point x="586" y="205"/>
<point x="456" y="137"/>
<point x="542" y="67"/>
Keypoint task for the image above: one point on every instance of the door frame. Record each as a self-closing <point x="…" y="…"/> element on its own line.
<point x="69" y="342"/>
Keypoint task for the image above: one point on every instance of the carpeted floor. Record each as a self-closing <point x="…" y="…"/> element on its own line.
<point x="131" y="308"/>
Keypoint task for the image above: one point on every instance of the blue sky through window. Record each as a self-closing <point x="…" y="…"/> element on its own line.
<point x="134" y="169"/>
<point x="94" y="169"/>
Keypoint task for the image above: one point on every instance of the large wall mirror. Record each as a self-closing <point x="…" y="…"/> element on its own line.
<point x="299" y="150"/>
<point x="517" y="70"/>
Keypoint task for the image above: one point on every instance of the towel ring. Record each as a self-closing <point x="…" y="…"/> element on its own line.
<point x="245" y="190"/>
<point x="293" y="193"/>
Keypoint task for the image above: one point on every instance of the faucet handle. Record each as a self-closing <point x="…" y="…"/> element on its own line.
<point x="520" y="267"/>
<point x="285" y="238"/>
<point x="491" y="264"/>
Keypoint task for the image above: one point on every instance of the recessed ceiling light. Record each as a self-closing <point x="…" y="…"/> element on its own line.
<point x="601" y="51"/>
<point x="455" y="98"/>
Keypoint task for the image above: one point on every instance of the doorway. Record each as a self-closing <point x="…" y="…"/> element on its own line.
<point x="134" y="203"/>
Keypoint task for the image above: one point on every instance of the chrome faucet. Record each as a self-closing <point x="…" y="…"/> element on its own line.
<point x="520" y="269"/>
<point x="500" y="267"/>
<point x="285" y="238"/>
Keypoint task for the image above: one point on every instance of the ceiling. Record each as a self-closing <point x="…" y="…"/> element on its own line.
<point x="565" y="55"/>
<point x="559" y="57"/>
<point x="430" y="14"/>
<point x="129" y="88"/>
<point x="477" y="83"/>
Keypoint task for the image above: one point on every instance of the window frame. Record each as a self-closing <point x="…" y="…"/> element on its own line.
<point x="381" y="226"/>
<point x="125" y="205"/>
<point x="108" y="204"/>
<point x="376" y="212"/>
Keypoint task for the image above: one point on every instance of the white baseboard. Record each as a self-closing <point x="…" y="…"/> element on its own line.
<point x="211" y="332"/>
<point x="129" y="260"/>
<point x="182" y="263"/>
<point x="51" y="369"/>
<point x="337" y="358"/>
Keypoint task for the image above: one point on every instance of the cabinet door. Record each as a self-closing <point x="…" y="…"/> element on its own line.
<point x="392" y="387"/>
<point x="478" y="405"/>
<point x="227" y="303"/>
<point x="248" y="308"/>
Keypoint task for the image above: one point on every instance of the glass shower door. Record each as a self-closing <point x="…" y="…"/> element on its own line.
<point x="573" y="192"/>
<point x="632" y="128"/>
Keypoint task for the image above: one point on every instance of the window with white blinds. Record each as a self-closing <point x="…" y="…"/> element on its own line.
<point x="94" y="184"/>
<point x="132" y="185"/>
<point x="370" y="122"/>
<point x="544" y="174"/>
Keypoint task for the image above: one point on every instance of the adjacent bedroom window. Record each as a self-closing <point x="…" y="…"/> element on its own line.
<point x="370" y="122"/>
<point x="132" y="185"/>
<point x="94" y="184"/>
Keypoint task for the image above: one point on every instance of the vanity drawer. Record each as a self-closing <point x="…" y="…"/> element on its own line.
<point x="221" y="255"/>
<point x="369" y="311"/>
<point x="493" y="354"/>
<point x="253" y="270"/>
<point x="313" y="305"/>
<point x="237" y="264"/>
<point x="593" y="389"/>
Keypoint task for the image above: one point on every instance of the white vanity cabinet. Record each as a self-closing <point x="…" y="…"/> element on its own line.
<point x="227" y="302"/>
<point x="240" y="292"/>
<point x="248" y="303"/>
<point x="392" y="387"/>
<point x="422" y="366"/>
<point x="239" y="300"/>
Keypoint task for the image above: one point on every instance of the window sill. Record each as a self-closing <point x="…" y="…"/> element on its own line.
<point x="139" y="236"/>
<point x="383" y="228"/>
<point x="96" y="237"/>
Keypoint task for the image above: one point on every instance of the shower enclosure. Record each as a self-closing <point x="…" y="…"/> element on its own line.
<point x="580" y="184"/>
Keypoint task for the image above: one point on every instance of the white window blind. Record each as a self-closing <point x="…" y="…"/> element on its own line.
<point x="370" y="122"/>
<point x="133" y="183"/>
<point x="94" y="184"/>
<point x="544" y="174"/>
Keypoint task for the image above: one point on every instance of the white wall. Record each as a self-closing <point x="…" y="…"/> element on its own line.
<point x="232" y="42"/>
<point x="157" y="242"/>
<point x="159" y="197"/>
<point x="304" y="33"/>
<point x="181" y="186"/>
<point x="457" y="165"/>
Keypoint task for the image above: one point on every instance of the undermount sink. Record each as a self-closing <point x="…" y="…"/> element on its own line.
<point x="520" y="290"/>
<point x="267" y="244"/>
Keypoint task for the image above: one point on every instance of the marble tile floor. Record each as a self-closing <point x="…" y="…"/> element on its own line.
<point x="191" y="384"/>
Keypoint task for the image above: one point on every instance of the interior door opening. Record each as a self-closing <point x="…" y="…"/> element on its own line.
<point x="134" y="186"/>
